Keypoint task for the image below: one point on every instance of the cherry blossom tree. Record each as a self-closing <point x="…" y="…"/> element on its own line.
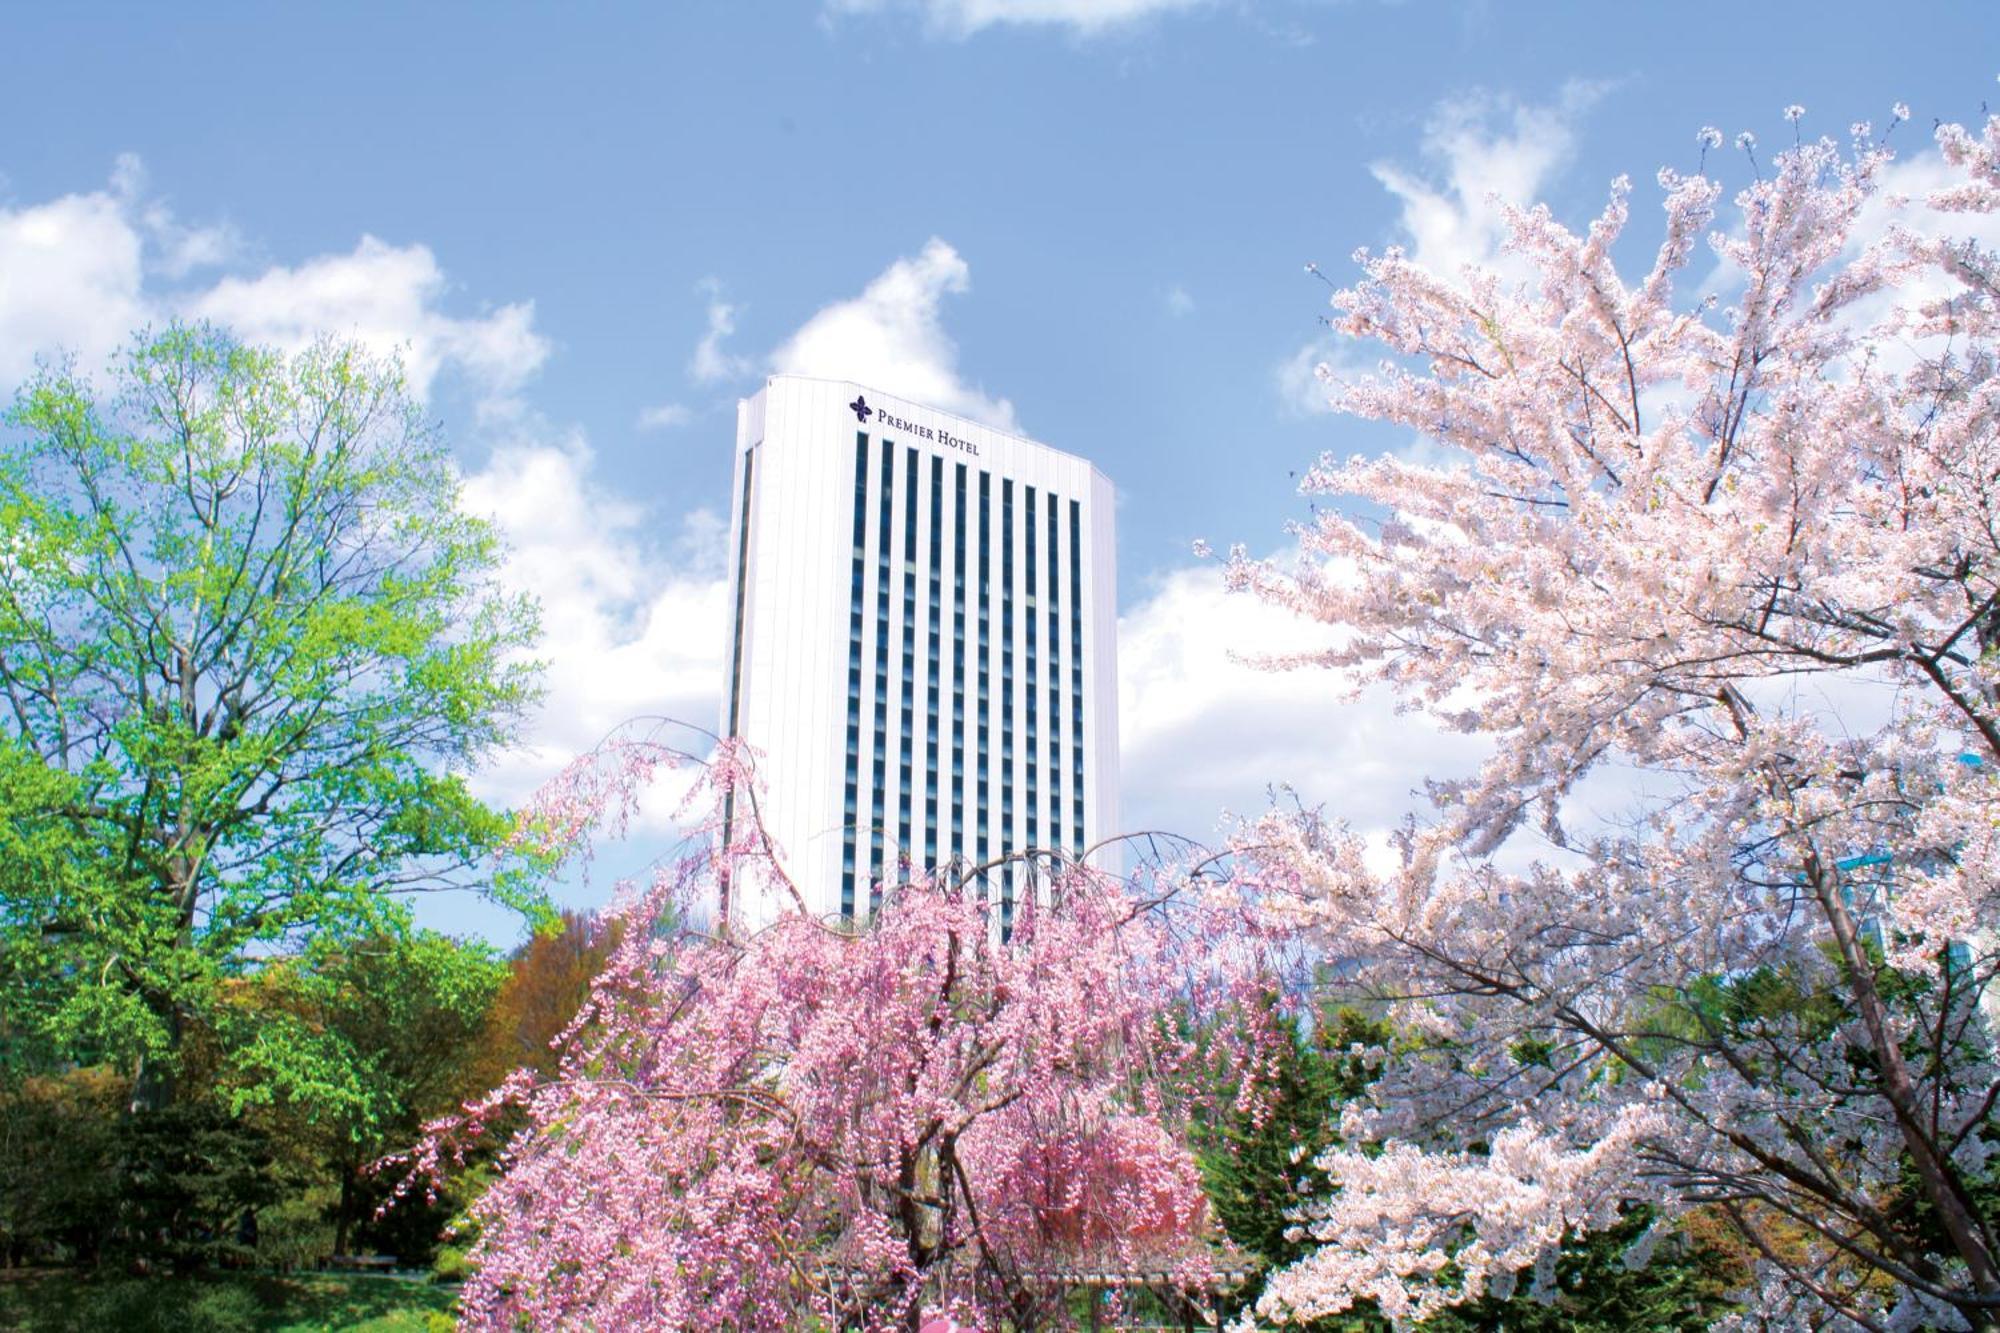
<point x="1734" y="561"/>
<point x="863" y="1125"/>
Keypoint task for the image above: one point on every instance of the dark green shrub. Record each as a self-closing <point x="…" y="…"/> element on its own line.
<point x="191" y="1178"/>
<point x="450" y="1265"/>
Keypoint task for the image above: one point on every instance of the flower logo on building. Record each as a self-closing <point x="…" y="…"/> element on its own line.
<point x="861" y="409"/>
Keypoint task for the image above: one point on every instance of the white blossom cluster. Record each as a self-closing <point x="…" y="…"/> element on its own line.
<point x="1750" y="551"/>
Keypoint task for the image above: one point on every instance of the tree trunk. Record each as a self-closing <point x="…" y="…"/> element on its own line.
<point x="343" y="1220"/>
<point x="155" y="1085"/>
<point x="1933" y="1168"/>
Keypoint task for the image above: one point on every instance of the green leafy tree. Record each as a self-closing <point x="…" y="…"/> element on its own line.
<point x="355" y="1046"/>
<point x="249" y="646"/>
<point x="1259" y="1164"/>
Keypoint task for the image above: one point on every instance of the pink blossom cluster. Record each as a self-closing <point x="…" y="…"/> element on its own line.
<point x="865" y="1124"/>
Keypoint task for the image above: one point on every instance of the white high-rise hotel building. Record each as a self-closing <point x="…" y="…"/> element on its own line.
<point x="923" y="644"/>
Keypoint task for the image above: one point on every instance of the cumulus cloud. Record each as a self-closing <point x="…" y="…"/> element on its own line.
<point x="629" y="629"/>
<point x="177" y="249"/>
<point x="389" y="298"/>
<point x="1203" y="733"/>
<point x="892" y="337"/>
<point x="1482" y="152"/>
<point x="71" y="278"/>
<point x="963" y="18"/>
<point x="710" y="362"/>
<point x="79" y="273"/>
<point x="665" y="416"/>
<point x="1903" y="202"/>
<point x="1308" y="379"/>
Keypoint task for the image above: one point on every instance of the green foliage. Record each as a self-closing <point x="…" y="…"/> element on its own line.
<point x="450" y="1265"/>
<point x="297" y="1230"/>
<point x="344" y="1053"/>
<point x="223" y="1303"/>
<point x="365" y="1037"/>
<point x="1258" y="1165"/>
<point x="190" y="1180"/>
<point x="83" y="1181"/>
<point x="249" y="645"/>
<point x="57" y="1185"/>
<point x="353" y="1047"/>
<point x="1683" y="1287"/>
<point x="160" y="1305"/>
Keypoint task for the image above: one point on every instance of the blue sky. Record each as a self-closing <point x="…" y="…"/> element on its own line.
<point x="593" y="227"/>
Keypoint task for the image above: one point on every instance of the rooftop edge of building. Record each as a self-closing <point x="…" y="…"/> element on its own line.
<point x="863" y="390"/>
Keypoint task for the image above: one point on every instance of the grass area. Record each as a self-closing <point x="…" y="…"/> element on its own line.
<point x="61" y="1302"/>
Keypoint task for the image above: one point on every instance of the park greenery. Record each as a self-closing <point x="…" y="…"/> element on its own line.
<point x="1726" y="539"/>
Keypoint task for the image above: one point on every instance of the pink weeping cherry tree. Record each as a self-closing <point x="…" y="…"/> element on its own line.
<point x="1724" y="542"/>
<point x="812" y="1124"/>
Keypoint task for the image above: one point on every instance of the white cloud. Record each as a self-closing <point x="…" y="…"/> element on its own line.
<point x="629" y="629"/>
<point x="665" y="416"/>
<point x="71" y="280"/>
<point x="1309" y="378"/>
<point x="710" y="363"/>
<point x="1903" y="201"/>
<point x="389" y="299"/>
<point x="1202" y="732"/>
<point x="178" y="250"/>
<point x="1483" y="152"/>
<point x="1178" y="302"/>
<point x="963" y="18"/>
<point x="891" y="337"/>
<point x="81" y="273"/>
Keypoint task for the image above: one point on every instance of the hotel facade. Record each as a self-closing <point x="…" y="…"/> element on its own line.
<point x="922" y="647"/>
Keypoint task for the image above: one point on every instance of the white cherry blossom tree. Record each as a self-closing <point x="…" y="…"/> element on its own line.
<point x="1744" y="549"/>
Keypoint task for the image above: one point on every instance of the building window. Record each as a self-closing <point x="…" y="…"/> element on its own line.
<point x="931" y="727"/>
<point x="957" y="851"/>
<point x="885" y="511"/>
<point x="980" y="553"/>
<point x="854" y="676"/>
<point x="1076" y="670"/>
<point x="1054" y="680"/>
<point x="1006" y="701"/>
<point x="904" y="794"/>
<point x="1033" y="673"/>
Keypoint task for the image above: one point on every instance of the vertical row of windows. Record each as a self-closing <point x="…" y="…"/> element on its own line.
<point x="904" y="752"/>
<point x="1006" y="700"/>
<point x="850" y="807"/>
<point x="1054" y="681"/>
<point x="958" y="667"/>
<point x="1033" y="687"/>
<point x="980" y="551"/>
<point x="933" y="625"/>
<point x="1076" y="671"/>
<point x="885" y="510"/>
